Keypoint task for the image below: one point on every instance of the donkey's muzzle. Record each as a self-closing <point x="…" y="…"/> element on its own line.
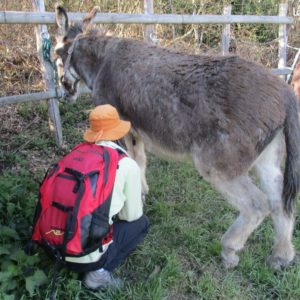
<point x="69" y="86"/>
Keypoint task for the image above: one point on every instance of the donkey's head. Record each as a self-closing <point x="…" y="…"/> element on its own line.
<point x="66" y="40"/>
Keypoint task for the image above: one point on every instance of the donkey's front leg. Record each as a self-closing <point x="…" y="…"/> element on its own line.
<point x="136" y="150"/>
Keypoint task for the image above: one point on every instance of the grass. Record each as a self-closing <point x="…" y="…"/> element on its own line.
<point x="180" y="257"/>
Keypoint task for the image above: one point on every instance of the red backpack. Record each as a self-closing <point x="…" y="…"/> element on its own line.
<point x="71" y="221"/>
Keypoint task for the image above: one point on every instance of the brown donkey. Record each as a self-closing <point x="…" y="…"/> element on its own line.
<point x="227" y="114"/>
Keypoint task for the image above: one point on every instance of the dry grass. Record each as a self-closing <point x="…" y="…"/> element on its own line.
<point x="19" y="64"/>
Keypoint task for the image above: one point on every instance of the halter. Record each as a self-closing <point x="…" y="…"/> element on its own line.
<point x="68" y="60"/>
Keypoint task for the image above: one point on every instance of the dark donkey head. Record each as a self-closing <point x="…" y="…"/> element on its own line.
<point x="67" y="38"/>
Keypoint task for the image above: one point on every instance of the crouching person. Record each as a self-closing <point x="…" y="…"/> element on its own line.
<point x="89" y="215"/>
<point x="130" y="225"/>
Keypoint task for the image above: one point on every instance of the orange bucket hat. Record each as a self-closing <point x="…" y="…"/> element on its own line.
<point x="105" y="125"/>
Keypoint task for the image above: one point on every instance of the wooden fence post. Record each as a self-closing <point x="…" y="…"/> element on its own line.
<point x="282" y="37"/>
<point x="149" y="31"/>
<point x="226" y="31"/>
<point x="197" y="37"/>
<point x="48" y="75"/>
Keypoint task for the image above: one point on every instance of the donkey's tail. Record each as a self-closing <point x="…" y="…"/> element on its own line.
<point x="291" y="182"/>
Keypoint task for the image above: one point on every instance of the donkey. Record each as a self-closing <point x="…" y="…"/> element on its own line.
<point x="225" y="113"/>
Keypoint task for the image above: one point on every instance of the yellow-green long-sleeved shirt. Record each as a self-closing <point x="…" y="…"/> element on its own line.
<point x="126" y="199"/>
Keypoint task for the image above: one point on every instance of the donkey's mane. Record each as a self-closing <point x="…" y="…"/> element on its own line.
<point x="74" y="30"/>
<point x="77" y="28"/>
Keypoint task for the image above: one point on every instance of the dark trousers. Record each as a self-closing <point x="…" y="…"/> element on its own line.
<point x="127" y="235"/>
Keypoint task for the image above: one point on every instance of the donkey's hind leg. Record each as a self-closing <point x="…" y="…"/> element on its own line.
<point x="249" y="200"/>
<point x="270" y="175"/>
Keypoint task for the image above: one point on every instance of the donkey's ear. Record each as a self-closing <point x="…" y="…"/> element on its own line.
<point x="88" y="19"/>
<point x="62" y="20"/>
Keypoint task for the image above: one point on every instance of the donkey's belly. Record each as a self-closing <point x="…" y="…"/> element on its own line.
<point x="162" y="150"/>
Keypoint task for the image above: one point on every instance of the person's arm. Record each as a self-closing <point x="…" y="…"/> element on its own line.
<point x="133" y="204"/>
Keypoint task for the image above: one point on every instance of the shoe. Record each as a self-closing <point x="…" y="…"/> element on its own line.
<point x="101" y="280"/>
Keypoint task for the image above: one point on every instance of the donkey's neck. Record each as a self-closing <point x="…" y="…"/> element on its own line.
<point x="86" y="65"/>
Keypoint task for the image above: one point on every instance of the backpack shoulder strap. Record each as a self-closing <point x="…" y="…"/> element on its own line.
<point x="101" y="216"/>
<point x="111" y="158"/>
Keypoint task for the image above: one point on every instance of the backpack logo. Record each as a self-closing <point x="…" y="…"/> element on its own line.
<point x="55" y="232"/>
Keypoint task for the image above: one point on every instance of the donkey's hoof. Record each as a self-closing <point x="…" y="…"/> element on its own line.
<point x="278" y="263"/>
<point x="229" y="261"/>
